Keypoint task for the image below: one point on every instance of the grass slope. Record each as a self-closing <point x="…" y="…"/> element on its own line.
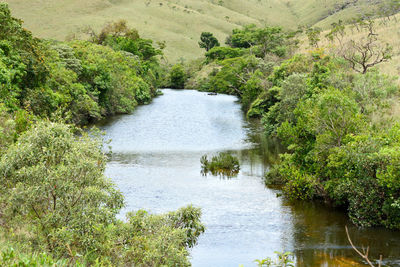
<point x="178" y="22"/>
<point x="388" y="31"/>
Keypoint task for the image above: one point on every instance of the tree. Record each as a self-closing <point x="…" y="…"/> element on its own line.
<point x="271" y="40"/>
<point x="177" y="77"/>
<point x="260" y="41"/>
<point x="221" y="53"/>
<point x="208" y="41"/>
<point x="7" y="129"/>
<point x="366" y="52"/>
<point x="55" y="198"/>
<point x="24" y="53"/>
<point x="53" y="187"/>
<point x="313" y="35"/>
<point x="337" y="32"/>
<point x="117" y="29"/>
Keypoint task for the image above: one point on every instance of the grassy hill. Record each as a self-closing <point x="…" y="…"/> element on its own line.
<point x="178" y="22"/>
<point x="388" y="31"/>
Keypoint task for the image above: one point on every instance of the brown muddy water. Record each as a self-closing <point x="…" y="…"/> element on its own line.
<point x="156" y="164"/>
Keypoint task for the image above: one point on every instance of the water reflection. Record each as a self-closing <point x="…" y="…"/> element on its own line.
<point x="319" y="238"/>
<point x="156" y="164"/>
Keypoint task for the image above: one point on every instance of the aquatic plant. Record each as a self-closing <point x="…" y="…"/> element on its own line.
<point x="224" y="164"/>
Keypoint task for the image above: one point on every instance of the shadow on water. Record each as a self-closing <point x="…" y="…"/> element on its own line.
<point x="156" y="165"/>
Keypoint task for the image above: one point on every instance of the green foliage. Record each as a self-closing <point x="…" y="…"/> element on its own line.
<point x="11" y="257"/>
<point x="284" y="259"/>
<point x="315" y="104"/>
<point x="208" y="41"/>
<point x="242" y="38"/>
<point x="252" y="88"/>
<point x="159" y="240"/>
<point x="122" y="38"/>
<point x="337" y="32"/>
<point x="7" y="129"/>
<point x="55" y="189"/>
<point x="56" y="206"/>
<point x="224" y="164"/>
<point x="263" y="103"/>
<point x="177" y="77"/>
<point x="56" y="200"/>
<point x="337" y="149"/>
<point x="364" y="175"/>
<point x="221" y="53"/>
<point x="25" y="55"/>
<point x="260" y="41"/>
<point x="374" y="92"/>
<point x="240" y="76"/>
<point x="242" y="69"/>
<point x="111" y="78"/>
<point x="313" y="35"/>
<point x="79" y="81"/>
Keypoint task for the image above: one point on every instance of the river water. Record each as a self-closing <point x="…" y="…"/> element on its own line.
<point x="156" y="165"/>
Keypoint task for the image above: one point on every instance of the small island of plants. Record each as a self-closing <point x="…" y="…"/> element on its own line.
<point x="224" y="164"/>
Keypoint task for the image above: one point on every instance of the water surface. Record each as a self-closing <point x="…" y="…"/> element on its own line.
<point x="156" y="165"/>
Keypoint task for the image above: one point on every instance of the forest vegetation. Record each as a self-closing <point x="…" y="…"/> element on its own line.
<point x="331" y="107"/>
<point x="327" y="96"/>
<point x="56" y="205"/>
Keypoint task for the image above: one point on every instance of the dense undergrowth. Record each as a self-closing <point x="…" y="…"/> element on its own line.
<point x="56" y="206"/>
<point x="340" y="126"/>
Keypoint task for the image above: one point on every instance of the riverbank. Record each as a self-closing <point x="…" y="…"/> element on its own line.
<point x="340" y="124"/>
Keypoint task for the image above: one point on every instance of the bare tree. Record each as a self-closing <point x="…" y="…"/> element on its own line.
<point x="366" y="52"/>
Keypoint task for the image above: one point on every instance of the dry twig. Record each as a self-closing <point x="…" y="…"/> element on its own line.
<point x="363" y="254"/>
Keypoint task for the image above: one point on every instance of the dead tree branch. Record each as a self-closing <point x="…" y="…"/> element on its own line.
<point x="365" y="252"/>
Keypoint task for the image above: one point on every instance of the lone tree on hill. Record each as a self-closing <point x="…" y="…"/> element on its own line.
<point x="208" y="41"/>
<point x="313" y="35"/>
<point x="366" y="52"/>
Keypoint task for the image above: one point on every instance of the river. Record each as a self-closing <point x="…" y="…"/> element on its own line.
<point x="156" y="165"/>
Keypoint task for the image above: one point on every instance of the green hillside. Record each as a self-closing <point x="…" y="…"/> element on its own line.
<point x="178" y="22"/>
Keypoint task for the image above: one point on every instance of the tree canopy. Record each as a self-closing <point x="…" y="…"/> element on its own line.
<point x="208" y="41"/>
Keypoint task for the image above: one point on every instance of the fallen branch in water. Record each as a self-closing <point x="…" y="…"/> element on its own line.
<point x="363" y="254"/>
